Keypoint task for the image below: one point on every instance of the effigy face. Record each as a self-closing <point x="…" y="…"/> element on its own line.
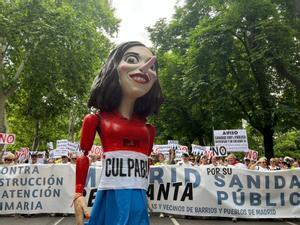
<point x="137" y="72"/>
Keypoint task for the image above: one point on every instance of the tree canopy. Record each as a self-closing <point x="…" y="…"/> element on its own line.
<point x="50" y="52"/>
<point x="239" y="60"/>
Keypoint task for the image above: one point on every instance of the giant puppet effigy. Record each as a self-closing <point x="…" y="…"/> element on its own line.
<point x="125" y="93"/>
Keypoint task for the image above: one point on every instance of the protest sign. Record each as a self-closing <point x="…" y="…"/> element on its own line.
<point x="7" y="139"/>
<point x="233" y="140"/>
<point x="252" y="155"/>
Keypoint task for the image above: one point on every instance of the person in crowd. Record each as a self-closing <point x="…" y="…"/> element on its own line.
<point x="125" y="93"/>
<point x="161" y="160"/>
<point x="185" y="160"/>
<point x="225" y="162"/>
<point x="215" y="161"/>
<point x="247" y="162"/>
<point x="95" y="160"/>
<point x="65" y="159"/>
<point x="153" y="158"/>
<point x="192" y="159"/>
<point x="204" y="160"/>
<point x="33" y="158"/>
<point x="274" y="164"/>
<point x="261" y="165"/>
<point x="281" y="163"/>
<point x="9" y="159"/>
<point x="41" y="158"/>
<point x="73" y="158"/>
<point x="172" y="156"/>
<point x="295" y="165"/>
<point x="1" y="157"/>
<point x="51" y="161"/>
<point x="288" y="161"/>
<point x="197" y="160"/>
<point x="232" y="161"/>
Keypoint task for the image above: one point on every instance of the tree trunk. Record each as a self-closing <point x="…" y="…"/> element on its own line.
<point x="71" y="130"/>
<point x="3" y="125"/>
<point x="36" y="140"/>
<point x="268" y="133"/>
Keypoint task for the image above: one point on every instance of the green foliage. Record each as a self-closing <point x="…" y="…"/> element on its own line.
<point x="239" y="62"/>
<point x="52" y="50"/>
<point x="287" y="144"/>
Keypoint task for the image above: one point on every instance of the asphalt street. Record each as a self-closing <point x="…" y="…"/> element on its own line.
<point x="154" y="218"/>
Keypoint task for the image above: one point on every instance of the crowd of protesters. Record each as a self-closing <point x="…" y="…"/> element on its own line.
<point x="159" y="159"/>
<point x="262" y="164"/>
<point x="8" y="158"/>
<point x="155" y="159"/>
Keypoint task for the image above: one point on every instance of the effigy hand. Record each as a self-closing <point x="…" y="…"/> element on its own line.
<point x="80" y="209"/>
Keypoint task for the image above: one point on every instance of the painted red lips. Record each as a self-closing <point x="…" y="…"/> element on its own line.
<point x="140" y="78"/>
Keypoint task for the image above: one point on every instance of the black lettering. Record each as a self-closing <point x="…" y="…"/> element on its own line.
<point x="92" y="197"/>
<point x="115" y="166"/>
<point x="163" y="190"/>
<point x="176" y="185"/>
<point x="107" y="171"/>
<point x="122" y="174"/>
<point x="150" y="191"/>
<point x="130" y="166"/>
<point x="137" y="172"/>
<point x="142" y="168"/>
<point x="188" y="192"/>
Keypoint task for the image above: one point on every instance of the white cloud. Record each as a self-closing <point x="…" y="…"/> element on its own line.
<point x="136" y="15"/>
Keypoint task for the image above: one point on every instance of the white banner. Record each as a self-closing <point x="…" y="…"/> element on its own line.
<point x="233" y="140"/>
<point x="194" y="191"/>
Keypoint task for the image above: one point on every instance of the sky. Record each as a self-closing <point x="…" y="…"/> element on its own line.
<point x="136" y="15"/>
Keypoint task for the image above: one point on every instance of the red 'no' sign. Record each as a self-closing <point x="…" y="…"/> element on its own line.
<point x="7" y="138"/>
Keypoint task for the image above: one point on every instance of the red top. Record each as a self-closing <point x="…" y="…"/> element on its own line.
<point x="117" y="133"/>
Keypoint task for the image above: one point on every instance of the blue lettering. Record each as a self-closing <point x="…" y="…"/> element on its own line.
<point x="235" y="181"/>
<point x="279" y="182"/>
<point x="91" y="177"/>
<point x="188" y="172"/>
<point x="251" y="181"/>
<point x="221" y="195"/>
<point x="235" y="198"/>
<point x="293" y="199"/>
<point x="156" y="173"/>
<point x="268" y="200"/>
<point x="295" y="182"/>
<point x="173" y="175"/>
<point x="255" y="199"/>
<point x="219" y="180"/>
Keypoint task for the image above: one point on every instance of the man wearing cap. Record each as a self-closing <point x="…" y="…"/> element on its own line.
<point x="185" y="160"/>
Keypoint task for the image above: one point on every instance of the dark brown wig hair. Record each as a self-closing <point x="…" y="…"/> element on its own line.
<point x="106" y="93"/>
